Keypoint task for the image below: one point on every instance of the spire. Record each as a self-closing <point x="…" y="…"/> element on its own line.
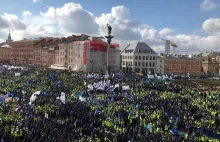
<point x="9" y="36"/>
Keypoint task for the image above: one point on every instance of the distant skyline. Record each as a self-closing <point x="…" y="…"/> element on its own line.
<point x="194" y="25"/>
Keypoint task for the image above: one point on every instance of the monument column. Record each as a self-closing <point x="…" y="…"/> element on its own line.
<point x="109" y="39"/>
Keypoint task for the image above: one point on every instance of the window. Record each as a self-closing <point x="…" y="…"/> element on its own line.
<point x="143" y="64"/>
<point x="150" y="57"/>
<point x="146" y="64"/>
<point x="136" y="57"/>
<point x="153" y="64"/>
<point x="139" y="64"/>
<point x="150" y="64"/>
<point x="135" y="63"/>
<point x="153" y="57"/>
<point x="160" y="66"/>
<point x="175" y="66"/>
<point x="161" y="61"/>
<point x="143" y="57"/>
<point x="139" y="57"/>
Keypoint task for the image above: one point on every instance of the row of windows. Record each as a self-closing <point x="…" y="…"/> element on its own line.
<point x="182" y="66"/>
<point x="62" y="60"/>
<point x="138" y="64"/>
<point x="63" y="48"/>
<point x="127" y="57"/>
<point x="145" y="58"/>
<point x="63" y="53"/>
<point x="182" y="61"/>
<point x="4" y="56"/>
<point x="144" y="64"/>
<point x="140" y="57"/>
<point x="22" y="56"/>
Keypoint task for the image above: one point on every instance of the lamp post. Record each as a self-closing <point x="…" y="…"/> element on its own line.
<point x="109" y="39"/>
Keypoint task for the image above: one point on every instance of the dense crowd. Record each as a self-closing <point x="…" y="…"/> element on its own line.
<point x="150" y="110"/>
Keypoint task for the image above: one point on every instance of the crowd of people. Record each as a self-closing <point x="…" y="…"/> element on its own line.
<point x="149" y="110"/>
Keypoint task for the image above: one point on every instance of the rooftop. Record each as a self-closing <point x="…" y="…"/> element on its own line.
<point x="138" y="47"/>
<point x="5" y="46"/>
<point x="178" y="56"/>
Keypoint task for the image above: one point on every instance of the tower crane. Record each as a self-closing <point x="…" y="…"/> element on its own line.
<point x="167" y="46"/>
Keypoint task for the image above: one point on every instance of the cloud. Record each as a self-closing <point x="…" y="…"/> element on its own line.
<point x="208" y="5"/>
<point x="72" y="18"/>
<point x="35" y="1"/>
<point x="212" y="26"/>
<point x="26" y="13"/>
<point x="11" y="21"/>
<point x="166" y="31"/>
<point x="122" y="26"/>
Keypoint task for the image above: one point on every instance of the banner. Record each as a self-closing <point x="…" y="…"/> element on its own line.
<point x="18" y="74"/>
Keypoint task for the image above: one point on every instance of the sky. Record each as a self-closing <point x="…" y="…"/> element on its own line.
<point x="194" y="25"/>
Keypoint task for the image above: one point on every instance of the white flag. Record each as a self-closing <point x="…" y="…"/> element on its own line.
<point x="63" y="98"/>
<point x="34" y="97"/>
<point x="124" y="88"/>
<point x="82" y="99"/>
<point x="90" y="87"/>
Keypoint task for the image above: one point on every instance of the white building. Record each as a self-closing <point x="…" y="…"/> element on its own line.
<point x="139" y="57"/>
<point x="90" y="56"/>
<point x="160" y="65"/>
<point x="64" y="55"/>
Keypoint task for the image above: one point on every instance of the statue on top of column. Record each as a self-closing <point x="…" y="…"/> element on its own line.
<point x="109" y="29"/>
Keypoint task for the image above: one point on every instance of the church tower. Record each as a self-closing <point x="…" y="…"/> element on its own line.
<point x="9" y="40"/>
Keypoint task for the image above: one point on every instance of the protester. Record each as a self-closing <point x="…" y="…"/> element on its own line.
<point x="54" y="106"/>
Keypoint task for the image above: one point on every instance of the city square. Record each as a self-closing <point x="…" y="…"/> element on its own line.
<point x="68" y="74"/>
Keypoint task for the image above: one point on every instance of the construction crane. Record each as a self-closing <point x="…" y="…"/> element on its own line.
<point x="167" y="45"/>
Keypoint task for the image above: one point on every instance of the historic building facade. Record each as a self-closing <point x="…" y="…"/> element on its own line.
<point x="22" y="51"/>
<point x="182" y="65"/>
<point x="5" y="53"/>
<point x="139" y="57"/>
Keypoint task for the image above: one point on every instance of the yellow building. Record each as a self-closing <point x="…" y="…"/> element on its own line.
<point x="5" y="53"/>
